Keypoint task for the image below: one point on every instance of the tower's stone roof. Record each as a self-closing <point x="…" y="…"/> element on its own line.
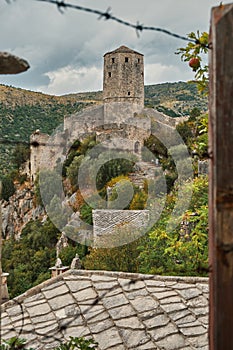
<point x="119" y="310"/>
<point x="123" y="49"/>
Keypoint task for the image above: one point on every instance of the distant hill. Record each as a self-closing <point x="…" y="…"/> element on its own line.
<point x="23" y="111"/>
<point x="175" y="99"/>
<point x="12" y="97"/>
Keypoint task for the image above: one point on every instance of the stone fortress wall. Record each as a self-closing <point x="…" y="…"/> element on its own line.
<point x="122" y="115"/>
<point x="121" y="123"/>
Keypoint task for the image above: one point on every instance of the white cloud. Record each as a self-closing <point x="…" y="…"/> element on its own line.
<point x="157" y="73"/>
<point x="77" y="41"/>
<point x="69" y="79"/>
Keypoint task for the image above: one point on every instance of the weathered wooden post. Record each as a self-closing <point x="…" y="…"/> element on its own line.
<point x="0" y="259"/>
<point x="221" y="178"/>
<point x="0" y="247"/>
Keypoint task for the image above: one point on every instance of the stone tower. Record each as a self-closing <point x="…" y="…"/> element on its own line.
<point x="123" y="76"/>
<point x="37" y="141"/>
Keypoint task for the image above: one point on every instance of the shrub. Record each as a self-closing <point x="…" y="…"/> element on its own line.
<point x="74" y="343"/>
<point x="8" y="187"/>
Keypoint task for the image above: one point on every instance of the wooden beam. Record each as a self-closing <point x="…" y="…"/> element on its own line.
<point x="0" y="260"/>
<point x="221" y="178"/>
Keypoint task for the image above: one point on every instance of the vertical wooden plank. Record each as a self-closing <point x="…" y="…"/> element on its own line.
<point x="221" y="179"/>
<point x="0" y="262"/>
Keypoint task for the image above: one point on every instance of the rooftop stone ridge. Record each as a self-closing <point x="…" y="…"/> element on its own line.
<point x="119" y="310"/>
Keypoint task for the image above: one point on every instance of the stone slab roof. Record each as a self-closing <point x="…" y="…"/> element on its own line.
<point x="119" y="310"/>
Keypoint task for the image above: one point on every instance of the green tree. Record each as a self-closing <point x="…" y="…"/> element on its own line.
<point x="21" y="154"/>
<point x="28" y="260"/>
<point x="175" y="253"/>
<point x="195" y="112"/>
<point x="8" y="187"/>
<point x="123" y="258"/>
<point x="112" y="169"/>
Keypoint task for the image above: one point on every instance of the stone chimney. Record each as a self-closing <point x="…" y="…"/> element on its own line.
<point x="58" y="268"/>
<point x="76" y="263"/>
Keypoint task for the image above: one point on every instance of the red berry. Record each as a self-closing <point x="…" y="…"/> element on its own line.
<point x="194" y="63"/>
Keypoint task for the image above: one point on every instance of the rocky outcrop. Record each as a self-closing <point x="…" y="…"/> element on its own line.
<point x="18" y="211"/>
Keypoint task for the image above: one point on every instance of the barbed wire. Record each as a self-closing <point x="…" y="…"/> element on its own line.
<point x="108" y="15"/>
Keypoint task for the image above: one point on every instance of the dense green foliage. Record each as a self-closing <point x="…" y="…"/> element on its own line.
<point x="78" y="343"/>
<point x="7" y="188"/>
<point x="175" y="99"/>
<point x="194" y="132"/>
<point x="122" y="258"/>
<point x="28" y="259"/>
<point x="72" y="344"/>
<point x="179" y="252"/>
<point x="13" y="344"/>
<point x="17" y="123"/>
<point x="21" y="154"/>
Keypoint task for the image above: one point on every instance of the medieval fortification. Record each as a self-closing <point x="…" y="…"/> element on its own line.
<point x="120" y="123"/>
<point x="122" y="114"/>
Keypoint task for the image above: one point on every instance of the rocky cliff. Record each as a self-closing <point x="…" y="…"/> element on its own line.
<point x="19" y="210"/>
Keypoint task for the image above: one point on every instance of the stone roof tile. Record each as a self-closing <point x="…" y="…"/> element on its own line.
<point x="119" y="310"/>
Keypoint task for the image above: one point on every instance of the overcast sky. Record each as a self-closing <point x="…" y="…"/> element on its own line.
<point x="65" y="51"/>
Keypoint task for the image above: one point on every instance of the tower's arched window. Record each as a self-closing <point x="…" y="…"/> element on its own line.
<point x="128" y="93"/>
<point x="109" y="74"/>
<point x="126" y="59"/>
<point x="113" y="60"/>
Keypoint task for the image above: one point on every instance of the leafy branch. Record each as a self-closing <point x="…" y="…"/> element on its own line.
<point x="194" y="53"/>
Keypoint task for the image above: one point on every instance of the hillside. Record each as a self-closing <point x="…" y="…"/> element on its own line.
<point x="12" y="97"/>
<point x="23" y="111"/>
<point x="174" y="99"/>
